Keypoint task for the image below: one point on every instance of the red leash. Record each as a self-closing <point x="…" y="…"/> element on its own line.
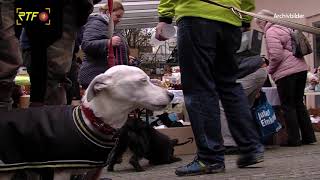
<point x="110" y="48"/>
<point x="119" y="52"/>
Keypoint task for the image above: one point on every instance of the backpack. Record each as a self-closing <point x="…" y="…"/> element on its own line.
<point x="300" y="44"/>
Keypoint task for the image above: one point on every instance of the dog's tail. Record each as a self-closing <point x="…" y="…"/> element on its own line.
<point x="190" y="140"/>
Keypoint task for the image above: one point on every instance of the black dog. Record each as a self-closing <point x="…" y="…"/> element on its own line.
<point x="145" y="142"/>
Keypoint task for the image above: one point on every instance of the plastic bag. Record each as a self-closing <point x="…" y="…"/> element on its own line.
<point x="265" y="116"/>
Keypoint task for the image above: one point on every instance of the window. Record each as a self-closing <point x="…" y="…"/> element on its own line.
<point x="316" y="47"/>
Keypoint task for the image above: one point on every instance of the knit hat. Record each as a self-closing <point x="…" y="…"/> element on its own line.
<point x="264" y="12"/>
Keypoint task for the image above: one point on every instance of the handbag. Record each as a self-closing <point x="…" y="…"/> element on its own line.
<point x="300" y="44"/>
<point x="265" y="117"/>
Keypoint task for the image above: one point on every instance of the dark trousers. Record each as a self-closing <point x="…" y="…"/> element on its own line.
<point x="10" y="59"/>
<point x="38" y="71"/>
<point x="73" y="92"/>
<point x="291" y="92"/>
<point x="51" y="60"/>
<point x="206" y="52"/>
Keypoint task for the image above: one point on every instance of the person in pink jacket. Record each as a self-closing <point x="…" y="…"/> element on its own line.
<point x="289" y="74"/>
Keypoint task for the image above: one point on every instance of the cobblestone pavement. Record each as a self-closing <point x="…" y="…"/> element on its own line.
<point x="280" y="163"/>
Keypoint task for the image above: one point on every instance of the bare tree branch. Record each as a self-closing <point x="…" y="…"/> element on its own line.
<point x="138" y="37"/>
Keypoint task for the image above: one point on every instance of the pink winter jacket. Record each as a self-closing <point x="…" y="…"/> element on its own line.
<point x="282" y="62"/>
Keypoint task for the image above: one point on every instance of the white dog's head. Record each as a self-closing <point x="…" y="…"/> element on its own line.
<point x="124" y="88"/>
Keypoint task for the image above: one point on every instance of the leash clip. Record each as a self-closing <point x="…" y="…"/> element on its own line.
<point x="236" y="12"/>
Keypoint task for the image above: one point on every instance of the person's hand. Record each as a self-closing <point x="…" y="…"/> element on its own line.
<point x="264" y="65"/>
<point x="245" y="27"/>
<point x="131" y="59"/>
<point x="159" y="30"/>
<point x="314" y="81"/>
<point x="116" y="40"/>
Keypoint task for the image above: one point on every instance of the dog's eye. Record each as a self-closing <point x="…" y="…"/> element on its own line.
<point x="144" y="80"/>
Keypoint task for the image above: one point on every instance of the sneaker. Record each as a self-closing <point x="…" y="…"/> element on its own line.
<point x="309" y="142"/>
<point x="197" y="167"/>
<point x="249" y="159"/>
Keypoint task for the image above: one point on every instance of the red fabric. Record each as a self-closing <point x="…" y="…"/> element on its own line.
<point x="120" y="52"/>
<point x="110" y="56"/>
<point x="97" y="122"/>
<point x="117" y="58"/>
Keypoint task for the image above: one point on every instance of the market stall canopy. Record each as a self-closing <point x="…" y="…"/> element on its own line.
<point x="138" y="13"/>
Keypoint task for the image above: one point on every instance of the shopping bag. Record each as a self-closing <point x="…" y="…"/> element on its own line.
<point x="265" y="117"/>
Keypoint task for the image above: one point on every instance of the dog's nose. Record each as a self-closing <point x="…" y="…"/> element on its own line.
<point x="171" y="95"/>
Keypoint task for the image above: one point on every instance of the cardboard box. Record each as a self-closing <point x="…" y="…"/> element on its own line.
<point x="183" y="134"/>
<point x="316" y="127"/>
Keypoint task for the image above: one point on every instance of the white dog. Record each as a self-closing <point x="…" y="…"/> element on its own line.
<point x="57" y="135"/>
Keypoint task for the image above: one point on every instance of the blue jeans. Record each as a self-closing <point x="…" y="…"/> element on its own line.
<point x="251" y="84"/>
<point x="206" y="52"/>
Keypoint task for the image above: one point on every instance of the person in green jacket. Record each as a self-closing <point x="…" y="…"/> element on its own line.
<point x="208" y="38"/>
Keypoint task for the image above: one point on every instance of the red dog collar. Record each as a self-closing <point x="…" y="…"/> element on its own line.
<point x="97" y="122"/>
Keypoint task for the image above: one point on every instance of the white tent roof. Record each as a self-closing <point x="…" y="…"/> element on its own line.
<point x="138" y="13"/>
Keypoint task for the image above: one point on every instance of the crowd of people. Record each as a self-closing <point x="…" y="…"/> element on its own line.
<point x="290" y="75"/>
<point x="218" y="93"/>
<point x="208" y="38"/>
<point x="50" y="59"/>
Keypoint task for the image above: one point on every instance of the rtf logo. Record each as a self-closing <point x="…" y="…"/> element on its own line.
<point x="32" y="16"/>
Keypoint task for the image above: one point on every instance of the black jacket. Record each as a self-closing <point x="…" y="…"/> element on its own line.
<point x="54" y="136"/>
<point x="95" y="46"/>
<point x="248" y="65"/>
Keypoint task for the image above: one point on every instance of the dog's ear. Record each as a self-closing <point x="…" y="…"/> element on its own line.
<point x="98" y="84"/>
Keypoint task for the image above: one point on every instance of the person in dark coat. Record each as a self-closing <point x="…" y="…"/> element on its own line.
<point x="252" y="74"/>
<point x="47" y="50"/>
<point x="95" y="41"/>
<point x="10" y="58"/>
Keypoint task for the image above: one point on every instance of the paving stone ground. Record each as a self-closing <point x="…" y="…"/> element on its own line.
<point x="280" y="163"/>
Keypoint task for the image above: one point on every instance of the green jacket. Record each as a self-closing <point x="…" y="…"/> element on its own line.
<point x="180" y="8"/>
